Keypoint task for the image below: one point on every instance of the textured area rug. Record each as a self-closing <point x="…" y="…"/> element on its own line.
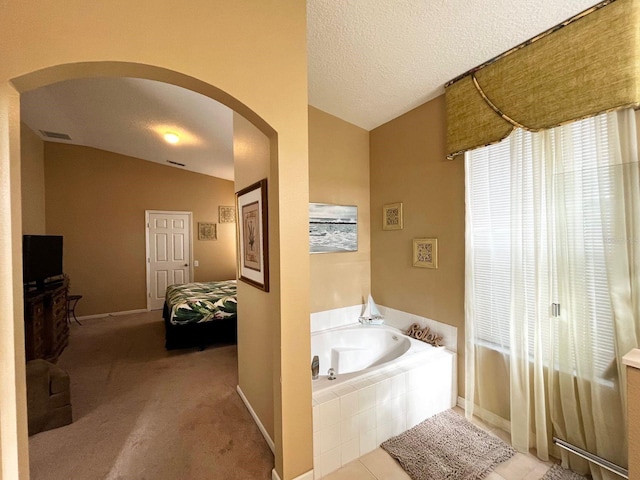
<point x="558" y="473"/>
<point x="447" y="447"/>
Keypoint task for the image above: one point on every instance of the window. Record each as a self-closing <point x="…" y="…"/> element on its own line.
<point x="540" y="218"/>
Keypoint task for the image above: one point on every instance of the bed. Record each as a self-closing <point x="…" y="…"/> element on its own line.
<point x="199" y="314"/>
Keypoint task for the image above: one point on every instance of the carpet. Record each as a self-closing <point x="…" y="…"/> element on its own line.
<point x="447" y="447"/>
<point x="558" y="473"/>
<point x="142" y="413"/>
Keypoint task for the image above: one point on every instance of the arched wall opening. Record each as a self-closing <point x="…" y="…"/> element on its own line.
<point x="286" y="431"/>
<point x="59" y="73"/>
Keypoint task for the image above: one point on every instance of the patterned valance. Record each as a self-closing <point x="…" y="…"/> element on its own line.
<point x="585" y="66"/>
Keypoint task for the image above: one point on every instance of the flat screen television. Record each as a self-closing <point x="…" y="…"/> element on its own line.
<point x="41" y="258"/>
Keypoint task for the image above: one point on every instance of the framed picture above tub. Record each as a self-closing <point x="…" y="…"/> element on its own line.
<point x="392" y="216"/>
<point x="333" y="228"/>
<point x="425" y="252"/>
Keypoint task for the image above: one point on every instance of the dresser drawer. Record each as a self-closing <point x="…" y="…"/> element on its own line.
<point x="46" y="329"/>
<point x="37" y="325"/>
<point x="38" y="347"/>
<point x="35" y="310"/>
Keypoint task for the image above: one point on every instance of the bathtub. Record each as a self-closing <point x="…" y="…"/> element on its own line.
<point x="386" y="383"/>
<point x="353" y="348"/>
<point x="356" y="351"/>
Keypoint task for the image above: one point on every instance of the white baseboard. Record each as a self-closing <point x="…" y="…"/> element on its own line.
<point x="304" y="476"/>
<point x="265" y="434"/>
<point x="113" y="314"/>
<point x="263" y="430"/>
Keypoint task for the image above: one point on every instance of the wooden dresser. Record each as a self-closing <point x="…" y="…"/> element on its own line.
<point x="45" y="322"/>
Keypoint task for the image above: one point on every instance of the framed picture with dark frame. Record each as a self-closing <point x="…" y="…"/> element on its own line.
<point x="253" y="235"/>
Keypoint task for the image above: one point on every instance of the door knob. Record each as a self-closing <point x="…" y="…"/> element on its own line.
<point x="186" y="264"/>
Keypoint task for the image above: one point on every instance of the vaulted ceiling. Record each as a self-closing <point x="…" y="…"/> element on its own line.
<point x="369" y="62"/>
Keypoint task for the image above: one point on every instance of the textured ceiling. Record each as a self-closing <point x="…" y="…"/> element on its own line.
<point x="373" y="60"/>
<point x="369" y="62"/>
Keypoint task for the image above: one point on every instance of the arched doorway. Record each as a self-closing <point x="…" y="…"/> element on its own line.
<point x="120" y="374"/>
<point x="269" y="305"/>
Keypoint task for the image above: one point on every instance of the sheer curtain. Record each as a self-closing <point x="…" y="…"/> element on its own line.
<point x="552" y="288"/>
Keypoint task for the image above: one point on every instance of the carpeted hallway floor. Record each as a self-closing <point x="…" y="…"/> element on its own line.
<point x="142" y="413"/>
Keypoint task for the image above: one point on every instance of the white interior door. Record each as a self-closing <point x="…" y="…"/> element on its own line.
<point x="168" y="253"/>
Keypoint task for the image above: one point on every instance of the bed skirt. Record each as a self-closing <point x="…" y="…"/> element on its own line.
<point x="224" y="331"/>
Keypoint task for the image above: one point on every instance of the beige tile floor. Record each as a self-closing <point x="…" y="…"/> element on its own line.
<point x="378" y="465"/>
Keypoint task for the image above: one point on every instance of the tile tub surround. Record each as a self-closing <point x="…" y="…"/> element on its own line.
<point x="403" y="320"/>
<point x="338" y="317"/>
<point x="354" y="417"/>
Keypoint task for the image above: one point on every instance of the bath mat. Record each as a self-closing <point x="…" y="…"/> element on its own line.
<point x="447" y="447"/>
<point x="558" y="473"/>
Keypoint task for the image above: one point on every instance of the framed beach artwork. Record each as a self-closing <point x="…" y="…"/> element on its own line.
<point x="392" y="216"/>
<point x="253" y="235"/>
<point x="333" y="228"/>
<point x="425" y="252"/>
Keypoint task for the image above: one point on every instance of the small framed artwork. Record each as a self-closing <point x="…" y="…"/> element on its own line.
<point x="253" y="235"/>
<point x="207" y="231"/>
<point x="425" y="252"/>
<point x="392" y="216"/>
<point x="226" y="214"/>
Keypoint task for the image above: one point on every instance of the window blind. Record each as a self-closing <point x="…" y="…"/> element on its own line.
<point x="566" y="241"/>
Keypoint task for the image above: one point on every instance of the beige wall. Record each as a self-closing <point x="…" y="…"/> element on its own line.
<point x="339" y="174"/>
<point x="408" y="165"/>
<point x="32" y="182"/>
<point x="97" y="201"/>
<point x="258" y="312"/>
<point x="250" y="55"/>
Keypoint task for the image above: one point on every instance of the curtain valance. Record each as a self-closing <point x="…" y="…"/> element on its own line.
<point x="587" y="65"/>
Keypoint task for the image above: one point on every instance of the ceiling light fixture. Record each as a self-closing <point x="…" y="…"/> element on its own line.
<point x="171" y="137"/>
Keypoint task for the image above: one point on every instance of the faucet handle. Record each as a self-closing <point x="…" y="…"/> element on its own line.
<point x="332" y="373"/>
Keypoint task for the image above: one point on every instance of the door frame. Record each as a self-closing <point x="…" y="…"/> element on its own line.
<point x="147" y="258"/>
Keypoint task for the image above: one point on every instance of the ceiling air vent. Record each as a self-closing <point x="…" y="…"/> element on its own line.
<point x="176" y="163"/>
<point x="59" y="136"/>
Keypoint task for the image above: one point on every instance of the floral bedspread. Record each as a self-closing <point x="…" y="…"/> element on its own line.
<point x="201" y="302"/>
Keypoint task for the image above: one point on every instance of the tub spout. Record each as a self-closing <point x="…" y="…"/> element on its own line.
<point x="315" y="367"/>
